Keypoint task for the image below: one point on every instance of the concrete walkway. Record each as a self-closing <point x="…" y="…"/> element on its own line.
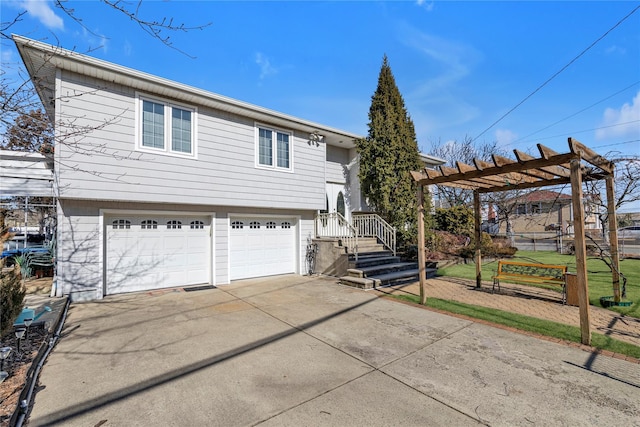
<point x="304" y="351"/>
<point x="526" y="300"/>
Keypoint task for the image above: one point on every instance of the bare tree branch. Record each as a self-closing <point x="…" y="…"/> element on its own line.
<point x="154" y="28"/>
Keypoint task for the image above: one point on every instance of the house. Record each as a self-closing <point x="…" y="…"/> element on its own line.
<point x="545" y="210"/>
<point x="160" y="184"/>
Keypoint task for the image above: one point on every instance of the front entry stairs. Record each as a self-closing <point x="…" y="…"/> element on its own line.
<point x="377" y="267"/>
<point x="361" y="253"/>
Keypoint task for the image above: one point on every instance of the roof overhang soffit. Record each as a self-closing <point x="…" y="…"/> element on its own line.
<point x="525" y="172"/>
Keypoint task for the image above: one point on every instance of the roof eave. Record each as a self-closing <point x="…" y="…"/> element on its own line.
<point x="42" y="61"/>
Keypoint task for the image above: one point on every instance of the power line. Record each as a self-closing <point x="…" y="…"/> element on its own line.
<point x="576" y="113"/>
<point x="557" y="73"/>
<point x="617" y="143"/>
<point x="584" y="130"/>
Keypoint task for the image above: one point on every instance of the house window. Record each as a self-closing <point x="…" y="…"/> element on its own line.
<point x="173" y="224"/>
<point x="274" y="148"/>
<point x="168" y="128"/>
<point x="121" y="224"/>
<point x="521" y="209"/>
<point x="286" y="224"/>
<point x="197" y="225"/>
<point x="237" y="225"/>
<point x="149" y="224"/>
<point x="254" y="224"/>
<point x="270" y="224"/>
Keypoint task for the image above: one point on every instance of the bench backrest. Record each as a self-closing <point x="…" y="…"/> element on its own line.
<point x="546" y="271"/>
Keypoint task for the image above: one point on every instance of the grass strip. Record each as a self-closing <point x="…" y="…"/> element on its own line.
<point x="527" y="323"/>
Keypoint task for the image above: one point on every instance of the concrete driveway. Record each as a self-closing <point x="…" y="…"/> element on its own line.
<point x="304" y="351"/>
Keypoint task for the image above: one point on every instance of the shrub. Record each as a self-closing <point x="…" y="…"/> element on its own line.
<point x="499" y="247"/>
<point x="455" y="220"/>
<point x="12" y="294"/>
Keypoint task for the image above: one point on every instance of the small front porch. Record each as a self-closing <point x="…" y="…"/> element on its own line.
<point x="361" y="252"/>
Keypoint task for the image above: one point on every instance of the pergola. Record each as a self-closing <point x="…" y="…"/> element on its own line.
<point x="525" y="172"/>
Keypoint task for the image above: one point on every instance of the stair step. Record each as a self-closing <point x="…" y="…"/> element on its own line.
<point x="378" y="269"/>
<point x="357" y="282"/>
<point x="370" y="254"/>
<point x="373" y="261"/>
<point x="387" y="279"/>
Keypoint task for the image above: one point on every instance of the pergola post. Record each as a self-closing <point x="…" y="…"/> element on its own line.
<point x="613" y="237"/>
<point x="421" y="245"/>
<point x="478" y="233"/>
<point x="580" y="248"/>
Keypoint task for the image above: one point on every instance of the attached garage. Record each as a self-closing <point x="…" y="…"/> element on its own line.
<point x="146" y="252"/>
<point x="262" y="246"/>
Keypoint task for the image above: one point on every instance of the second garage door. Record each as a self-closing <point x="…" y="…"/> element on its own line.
<point x="262" y="246"/>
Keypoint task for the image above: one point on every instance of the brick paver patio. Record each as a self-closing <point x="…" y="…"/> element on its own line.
<point x="525" y="300"/>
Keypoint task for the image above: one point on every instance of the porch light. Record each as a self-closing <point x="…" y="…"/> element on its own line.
<point x="3" y="376"/>
<point x="316" y="137"/>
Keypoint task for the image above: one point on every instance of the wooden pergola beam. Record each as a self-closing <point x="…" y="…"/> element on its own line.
<point x="590" y="156"/>
<point x="526" y="185"/>
<point x="496" y="170"/>
<point x="544" y="173"/>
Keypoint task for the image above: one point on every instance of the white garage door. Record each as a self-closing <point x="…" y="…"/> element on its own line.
<point x="262" y="247"/>
<point x="151" y="252"/>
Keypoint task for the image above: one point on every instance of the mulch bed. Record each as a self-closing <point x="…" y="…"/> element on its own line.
<point x="17" y="366"/>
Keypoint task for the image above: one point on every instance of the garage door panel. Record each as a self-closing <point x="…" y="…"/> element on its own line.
<point x="149" y="252"/>
<point x="262" y="247"/>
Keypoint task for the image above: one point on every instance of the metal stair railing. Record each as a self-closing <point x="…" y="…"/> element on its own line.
<point x="372" y="225"/>
<point x="335" y="225"/>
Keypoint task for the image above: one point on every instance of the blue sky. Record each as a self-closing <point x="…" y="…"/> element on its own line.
<point x="460" y="66"/>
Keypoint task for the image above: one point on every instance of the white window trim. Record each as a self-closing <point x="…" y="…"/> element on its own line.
<point x="257" y="127"/>
<point x="168" y="105"/>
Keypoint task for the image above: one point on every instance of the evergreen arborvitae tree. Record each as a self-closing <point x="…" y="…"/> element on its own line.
<point x="387" y="156"/>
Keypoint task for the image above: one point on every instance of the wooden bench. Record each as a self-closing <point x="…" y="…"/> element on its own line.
<point x="535" y="274"/>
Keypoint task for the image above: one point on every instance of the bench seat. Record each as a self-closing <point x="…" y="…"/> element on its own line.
<point x="530" y="273"/>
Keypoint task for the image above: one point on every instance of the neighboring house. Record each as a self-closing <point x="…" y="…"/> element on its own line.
<point x="160" y="184"/>
<point x="546" y="210"/>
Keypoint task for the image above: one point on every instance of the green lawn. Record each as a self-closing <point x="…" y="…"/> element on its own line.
<point x="598" y="272"/>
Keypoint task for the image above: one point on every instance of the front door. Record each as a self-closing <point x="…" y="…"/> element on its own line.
<point x="337" y="200"/>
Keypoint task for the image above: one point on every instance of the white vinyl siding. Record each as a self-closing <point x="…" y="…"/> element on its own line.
<point x="337" y="159"/>
<point x="270" y="141"/>
<point x="224" y="173"/>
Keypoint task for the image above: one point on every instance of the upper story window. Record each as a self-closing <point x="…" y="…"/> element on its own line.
<point x="274" y="148"/>
<point x="166" y="127"/>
